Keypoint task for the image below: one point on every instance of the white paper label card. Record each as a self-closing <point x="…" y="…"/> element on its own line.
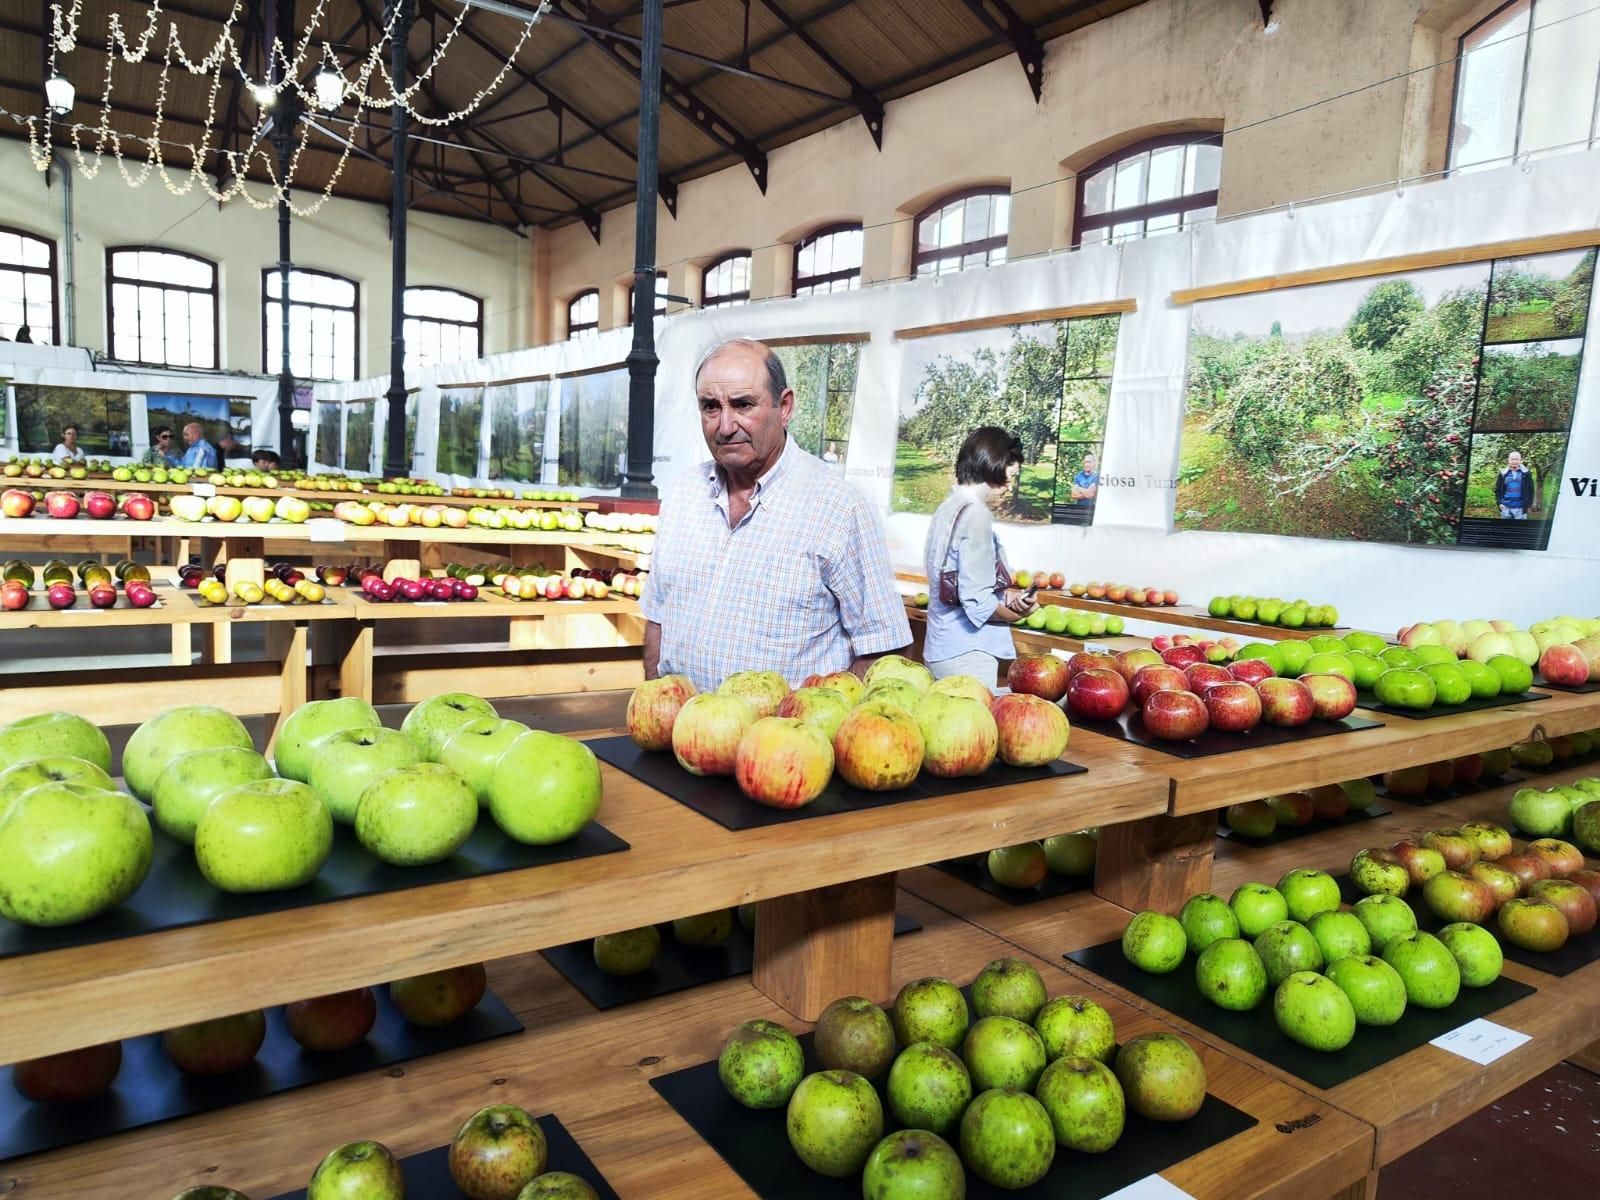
<point x="1480" y="1041"/>
<point x="325" y="529"/>
<point x="1151" y="1187"/>
<point x="203" y="489"/>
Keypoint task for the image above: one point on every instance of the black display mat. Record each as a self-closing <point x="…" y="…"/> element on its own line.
<point x="1129" y="727"/>
<point x="1257" y="1033"/>
<point x="427" y="1174"/>
<point x="1054" y="885"/>
<point x="1577" y="953"/>
<point x="677" y="967"/>
<point x="1286" y="833"/>
<point x="149" y="1089"/>
<point x="175" y="894"/>
<point x="720" y="800"/>
<point x="1367" y="701"/>
<point x="1582" y="689"/>
<point x="1454" y="792"/>
<point x="756" y="1144"/>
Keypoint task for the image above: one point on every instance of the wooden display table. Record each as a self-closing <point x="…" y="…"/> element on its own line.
<point x="117" y="487"/>
<point x="593" y="1069"/>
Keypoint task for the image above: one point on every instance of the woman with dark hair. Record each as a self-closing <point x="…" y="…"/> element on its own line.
<point x="970" y="601"/>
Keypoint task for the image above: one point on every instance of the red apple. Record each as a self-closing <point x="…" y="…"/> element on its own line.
<point x="1183" y="654"/>
<point x="1407" y="781"/>
<point x="1574" y="901"/>
<point x="1161" y="643"/>
<point x="1441" y="775"/>
<point x="140" y="595"/>
<point x="1333" y="697"/>
<point x="1097" y="694"/>
<point x="1285" y="702"/>
<point x="1129" y="661"/>
<point x="1329" y="802"/>
<point x="61" y="595"/>
<point x="1175" y="716"/>
<point x="1467" y="769"/>
<point x="102" y="595"/>
<point x="1251" y="670"/>
<point x="61" y="504"/>
<point x="653" y="708"/>
<point x="100" y="505"/>
<point x="465" y="591"/>
<point x="1459" y="850"/>
<point x="71" y="1077"/>
<point x="14" y="596"/>
<point x="1497" y="879"/>
<point x="1154" y="597"/>
<point x="14" y="502"/>
<point x="439" y="997"/>
<point x="1422" y="863"/>
<point x="1590" y="881"/>
<point x="1042" y="675"/>
<point x="1148" y="680"/>
<point x="1563" y="858"/>
<point x="1233" y="707"/>
<point x="1084" y="661"/>
<point x="1032" y="731"/>
<point x="1528" y="868"/>
<point x="1169" y="597"/>
<point x="1202" y="675"/>
<point x="1116" y="593"/>
<point x="335" y="1022"/>
<point x="1564" y="666"/>
<point x="138" y="507"/>
<point x="1057" y="581"/>
<point x="218" y="1046"/>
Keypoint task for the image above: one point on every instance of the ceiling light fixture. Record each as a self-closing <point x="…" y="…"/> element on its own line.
<point x="265" y="94"/>
<point x="330" y="88"/>
<point x="59" y="94"/>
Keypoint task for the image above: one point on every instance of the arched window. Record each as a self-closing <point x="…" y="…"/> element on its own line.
<point x="661" y="297"/>
<point x="324" y="313"/>
<point x="583" y="314"/>
<point x="967" y="229"/>
<point x="726" y="281"/>
<point x="1154" y="186"/>
<point x="162" y="306"/>
<point x="828" y="261"/>
<point x="1526" y="80"/>
<point x="442" y="325"/>
<point x="28" y="286"/>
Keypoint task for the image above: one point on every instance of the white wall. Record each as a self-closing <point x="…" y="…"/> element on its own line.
<point x="347" y="237"/>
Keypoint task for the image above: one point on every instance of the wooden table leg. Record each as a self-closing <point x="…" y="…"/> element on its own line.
<point x="814" y="947"/>
<point x="1157" y="862"/>
<point x="1587" y="1059"/>
<point x="182" y="652"/>
<point x="1366" y="1189"/>
<point x="356" y="663"/>
<point x="217" y="646"/>
<point x="294" y="679"/>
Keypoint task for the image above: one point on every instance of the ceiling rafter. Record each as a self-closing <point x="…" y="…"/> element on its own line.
<point x="866" y="102"/>
<point x="1003" y="21"/>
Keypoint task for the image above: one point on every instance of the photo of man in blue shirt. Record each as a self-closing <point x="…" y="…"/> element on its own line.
<point x="1515" y="490"/>
<point x="200" y="455"/>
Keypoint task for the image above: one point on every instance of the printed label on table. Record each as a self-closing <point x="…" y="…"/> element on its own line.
<point x="206" y="490"/>
<point x="1151" y="1187"/>
<point x="1480" y="1041"/>
<point x="325" y="529"/>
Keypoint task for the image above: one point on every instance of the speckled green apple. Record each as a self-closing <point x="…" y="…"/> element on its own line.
<point x="268" y="836"/>
<point x="71" y="851"/>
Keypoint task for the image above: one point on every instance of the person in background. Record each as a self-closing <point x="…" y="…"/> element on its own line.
<point x="970" y="634"/>
<point x="67" y="448"/>
<point x="1516" y="491"/>
<point x="160" y="452"/>
<point x="766" y="559"/>
<point x="1086" y="483"/>
<point x="201" y="455"/>
<point x="263" y="459"/>
<point x="228" y="448"/>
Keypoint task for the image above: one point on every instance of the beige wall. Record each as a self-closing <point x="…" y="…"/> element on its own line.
<point x="346" y="237"/>
<point x="1166" y="64"/>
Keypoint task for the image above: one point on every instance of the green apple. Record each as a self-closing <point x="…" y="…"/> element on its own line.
<point x="1007" y="1139"/>
<point x="1365" y="669"/>
<point x="1433" y="656"/>
<point x="1293" y="655"/>
<point x="1540" y="813"/>
<point x="1075" y="1027"/>
<point x="51" y="734"/>
<point x="834" y="1119"/>
<point x="267" y="836"/>
<point x="913" y="1163"/>
<point x="1516" y="676"/>
<point x="1484" y="680"/>
<point x="71" y="851"/>
<point x="1314" y="1011"/>
<point x="1162" y="1077"/>
<point x="474" y="749"/>
<point x="1229" y="973"/>
<point x="431" y="723"/>
<point x="1258" y="907"/>
<point x="358" y="1171"/>
<point x="163" y="738"/>
<point x="1404" y="687"/>
<point x="1385" y="917"/>
<point x="1330" y="664"/>
<point x="932" y="1010"/>
<point x="1374" y="988"/>
<point x="193" y="780"/>
<point x="1008" y="987"/>
<point x="1085" y="1104"/>
<point x="54" y="768"/>
<point x="545" y="788"/>
<point x="1477" y="953"/>
<point x="929" y="1088"/>
<point x="761" y="1064"/>
<point x="1339" y="935"/>
<point x="1308" y="893"/>
<point x="1361" y="793"/>
<point x="1206" y="918"/>
<point x="1429" y="970"/>
<point x="1071" y="853"/>
<point x="1001" y="1052"/>
<point x="1450" y="682"/>
<point x="1154" y="942"/>
<point x="413" y="815"/>
<point x="704" y="929"/>
<point x="631" y="952"/>
<point x="1285" y="948"/>
<point x="349" y="762"/>
<point x="306" y="727"/>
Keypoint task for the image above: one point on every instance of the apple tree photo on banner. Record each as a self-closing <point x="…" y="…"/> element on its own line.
<point x="330" y="435"/>
<point x="823" y="376"/>
<point x="358" y="437"/>
<point x="593" y="446"/>
<point x="516" y="430"/>
<point x="101" y="418"/>
<point x="241" y="420"/>
<point x="460" y="423"/>
<point x="214" y="413"/>
<point x="1048" y="384"/>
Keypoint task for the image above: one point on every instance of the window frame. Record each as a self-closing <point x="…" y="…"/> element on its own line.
<point x="52" y="272"/>
<point x="475" y="325"/>
<point x="1522" y="86"/>
<point x="1177" y="205"/>
<point x="354" y="309"/>
<point x="797" y="281"/>
<point x="727" y="299"/>
<point x="986" y="246"/>
<point x="215" y="290"/>
<point x="578" y="329"/>
<point x="660" y="296"/>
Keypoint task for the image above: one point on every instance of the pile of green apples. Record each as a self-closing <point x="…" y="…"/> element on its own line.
<point x="1566" y="810"/>
<point x="75" y="846"/>
<point x="1072" y="622"/>
<point x="634" y="951"/>
<point x="1320" y="966"/>
<point x="1288" y="614"/>
<point x="995" y="1096"/>
<point x="1295" y="810"/>
<point x="1027" y="864"/>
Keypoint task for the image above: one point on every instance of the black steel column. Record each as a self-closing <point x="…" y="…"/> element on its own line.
<point x="395" y="462"/>
<point x="279" y="23"/>
<point x="642" y="360"/>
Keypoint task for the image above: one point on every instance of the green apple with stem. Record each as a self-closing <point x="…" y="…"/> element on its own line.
<point x="431" y="723"/>
<point x="1374" y="988"/>
<point x="193" y="780"/>
<point x="169" y="735"/>
<point x="416" y="814"/>
<point x="54" y="768"/>
<point x="474" y="749"/>
<point x="53" y="733"/>
<point x="349" y="762"/>
<point x="1075" y="1027"/>
<point x="358" y="1171"/>
<point x="71" y="851"/>
<point x="309" y="725"/>
<point x="929" y="1088"/>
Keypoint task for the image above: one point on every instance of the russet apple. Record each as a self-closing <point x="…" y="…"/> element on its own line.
<point x="707" y="732"/>
<point x="1042" y="675"/>
<point x="357" y="1169"/>
<point x="1533" y="925"/>
<point x="1493" y="841"/>
<point x="783" y="762"/>
<point x="1032" y="731"/>
<point x="898" y="666"/>
<point x="764" y="690"/>
<point x="1573" y="899"/>
<point x="497" y="1153"/>
<point x="1459" y="851"/>
<point x="1528" y="868"/>
<point x="1563" y="858"/>
<point x="439" y="998"/>
<point x="1497" y="879"/>
<point x="1379" y="872"/>
<point x="326" y="1024"/>
<point x="879" y="746"/>
<point x="1096" y="693"/>
<point x="1452" y="896"/>
<point x="1422" y="863"/>
<point x="822" y="707"/>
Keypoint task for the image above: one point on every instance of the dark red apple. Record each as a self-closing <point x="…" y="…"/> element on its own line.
<point x="1285" y="702"/>
<point x="1329" y="802"/>
<point x="1084" y="661"/>
<point x="1184" y="655"/>
<point x="1202" y="675"/>
<point x="100" y="505"/>
<point x="102" y="595"/>
<point x="1175" y="716"/>
<point x="1232" y="707"/>
<point x="1528" y="868"/>
<point x="439" y="997"/>
<point x="465" y="591"/>
<point x="1467" y="770"/>
<point x="1097" y="695"/>
<point x="140" y="595"/>
<point x="411" y="589"/>
<point x="72" y="1077"/>
<point x="1042" y="675"/>
<point x="335" y="1022"/>
<point x="218" y="1046"/>
<point x="136" y="506"/>
<point x="1441" y="775"/>
<point x="1251" y="670"/>
<point x="61" y="595"/>
<point x="1149" y="680"/>
<point x="1574" y="901"/>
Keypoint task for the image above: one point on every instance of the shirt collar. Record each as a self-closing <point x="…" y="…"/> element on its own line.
<point x="774" y="475"/>
<point x="976" y="493"/>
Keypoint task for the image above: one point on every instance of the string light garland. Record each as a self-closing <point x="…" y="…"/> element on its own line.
<point x="307" y="68"/>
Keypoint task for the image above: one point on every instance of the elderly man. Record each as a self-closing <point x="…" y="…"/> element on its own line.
<point x="766" y="559"/>
<point x="201" y="455"/>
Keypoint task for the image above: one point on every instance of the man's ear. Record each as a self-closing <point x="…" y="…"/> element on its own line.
<point x="786" y="403"/>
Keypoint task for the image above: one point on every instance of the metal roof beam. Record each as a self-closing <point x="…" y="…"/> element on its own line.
<point x="1003" y="21"/>
<point x="870" y="107"/>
